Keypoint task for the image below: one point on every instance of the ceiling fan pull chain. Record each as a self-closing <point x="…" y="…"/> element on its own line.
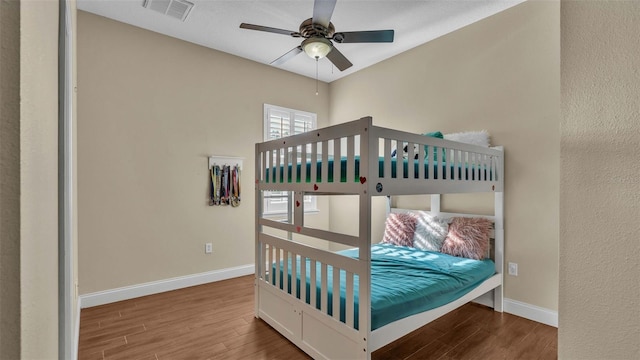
<point x="316" y="75"/>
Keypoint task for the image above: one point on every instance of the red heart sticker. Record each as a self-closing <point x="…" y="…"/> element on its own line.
<point x="297" y="203"/>
<point x="315" y="187"/>
<point x="298" y="228"/>
<point x="363" y="179"/>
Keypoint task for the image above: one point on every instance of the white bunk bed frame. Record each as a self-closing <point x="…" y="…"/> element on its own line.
<point x="319" y="334"/>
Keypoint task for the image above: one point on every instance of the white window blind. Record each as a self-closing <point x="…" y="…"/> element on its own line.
<point x="280" y="122"/>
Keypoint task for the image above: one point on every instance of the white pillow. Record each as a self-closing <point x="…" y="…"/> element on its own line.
<point x="480" y="138"/>
<point x="430" y="233"/>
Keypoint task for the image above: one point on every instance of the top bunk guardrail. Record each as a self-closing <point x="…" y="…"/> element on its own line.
<point x="357" y="157"/>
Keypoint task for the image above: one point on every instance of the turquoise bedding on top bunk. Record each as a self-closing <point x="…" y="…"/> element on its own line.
<point x="404" y="281"/>
<point x="435" y="171"/>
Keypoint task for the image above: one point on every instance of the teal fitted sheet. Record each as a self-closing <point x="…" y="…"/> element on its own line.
<point x="404" y="281"/>
<point x="431" y="171"/>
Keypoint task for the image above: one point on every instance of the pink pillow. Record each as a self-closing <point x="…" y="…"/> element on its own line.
<point x="468" y="237"/>
<point x="399" y="229"/>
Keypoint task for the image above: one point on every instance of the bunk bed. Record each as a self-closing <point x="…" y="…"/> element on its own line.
<point x="326" y="302"/>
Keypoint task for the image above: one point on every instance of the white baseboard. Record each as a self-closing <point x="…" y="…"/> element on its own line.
<point x="518" y="308"/>
<point x="531" y="312"/>
<point x="155" y="287"/>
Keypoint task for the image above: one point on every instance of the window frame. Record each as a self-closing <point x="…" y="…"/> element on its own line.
<point x="272" y="207"/>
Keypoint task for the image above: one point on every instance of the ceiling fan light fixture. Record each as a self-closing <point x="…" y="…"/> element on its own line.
<point x="316" y="47"/>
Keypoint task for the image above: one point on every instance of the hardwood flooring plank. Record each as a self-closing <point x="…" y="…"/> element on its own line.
<point x="540" y="338"/>
<point x="91" y="356"/>
<point x="480" y="345"/>
<point x="434" y="350"/>
<point x="95" y="345"/>
<point x="459" y="334"/>
<point x="408" y="344"/>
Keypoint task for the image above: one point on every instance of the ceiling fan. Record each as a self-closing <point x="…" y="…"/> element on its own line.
<point x="319" y="34"/>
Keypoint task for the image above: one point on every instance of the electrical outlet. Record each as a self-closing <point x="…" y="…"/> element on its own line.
<point x="513" y="269"/>
<point x="208" y="248"/>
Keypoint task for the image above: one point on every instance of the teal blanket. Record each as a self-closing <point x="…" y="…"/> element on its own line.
<point x="404" y="281"/>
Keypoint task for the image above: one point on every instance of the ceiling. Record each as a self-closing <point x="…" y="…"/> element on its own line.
<point x="215" y="24"/>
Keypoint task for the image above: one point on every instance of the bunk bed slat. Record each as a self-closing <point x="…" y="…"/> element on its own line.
<point x="325" y="162"/>
<point x="265" y="272"/>
<point x="351" y="165"/>
<point x="303" y="163"/>
<point x="410" y="161"/>
<point x="421" y="156"/>
<point x="387" y="158"/>
<point x="278" y="159"/>
<point x="449" y="163"/>
<point x="277" y="262"/>
<point x="269" y="158"/>
<point x="294" y="274"/>
<point x="285" y="270"/>
<point x="312" y="162"/>
<point x="459" y="164"/>
<point x="303" y="275"/>
<point x="324" y="295"/>
<point x="336" y="293"/>
<point x="399" y="155"/>
<point x="336" y="161"/>
<point x="295" y="159"/>
<point x="313" y="282"/>
<point x="349" y="301"/>
<point x="285" y="164"/>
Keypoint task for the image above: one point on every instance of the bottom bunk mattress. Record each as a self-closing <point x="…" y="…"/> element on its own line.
<point x="404" y="281"/>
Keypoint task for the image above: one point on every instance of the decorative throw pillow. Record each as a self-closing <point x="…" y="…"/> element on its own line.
<point x="430" y="231"/>
<point x="399" y="229"/>
<point x="468" y="237"/>
<point x="480" y="138"/>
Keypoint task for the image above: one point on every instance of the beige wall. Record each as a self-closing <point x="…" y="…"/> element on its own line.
<point x="500" y="74"/>
<point x="151" y="109"/>
<point x="10" y="180"/>
<point x="39" y="179"/>
<point x="599" y="182"/>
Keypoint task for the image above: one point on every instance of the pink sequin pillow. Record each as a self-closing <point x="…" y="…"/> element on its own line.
<point x="468" y="238"/>
<point x="399" y="229"/>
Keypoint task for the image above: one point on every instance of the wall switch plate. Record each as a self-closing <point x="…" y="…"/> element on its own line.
<point x="513" y="269"/>
<point x="208" y="248"/>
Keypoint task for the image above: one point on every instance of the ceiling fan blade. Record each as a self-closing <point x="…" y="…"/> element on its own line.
<point x="267" y="29"/>
<point x="290" y="54"/>
<point x="338" y="59"/>
<point x="322" y="11"/>
<point x="376" y="36"/>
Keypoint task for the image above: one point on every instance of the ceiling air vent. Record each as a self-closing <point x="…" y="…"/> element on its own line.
<point x="178" y="9"/>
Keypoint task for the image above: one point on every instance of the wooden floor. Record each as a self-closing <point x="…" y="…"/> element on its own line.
<point x="216" y="321"/>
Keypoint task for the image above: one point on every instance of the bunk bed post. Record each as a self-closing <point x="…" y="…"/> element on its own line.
<point x="368" y="145"/>
<point x="435" y="204"/>
<point x="498" y="292"/>
<point x="499" y="250"/>
<point x="258" y="229"/>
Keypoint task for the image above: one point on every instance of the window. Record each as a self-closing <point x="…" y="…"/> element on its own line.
<point x="280" y="122"/>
